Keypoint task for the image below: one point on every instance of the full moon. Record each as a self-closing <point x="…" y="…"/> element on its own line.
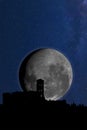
<point x="49" y="65"/>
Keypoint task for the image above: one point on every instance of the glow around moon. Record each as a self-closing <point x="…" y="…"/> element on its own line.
<point x="51" y="66"/>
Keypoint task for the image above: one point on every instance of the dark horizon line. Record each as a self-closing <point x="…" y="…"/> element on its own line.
<point x="33" y="92"/>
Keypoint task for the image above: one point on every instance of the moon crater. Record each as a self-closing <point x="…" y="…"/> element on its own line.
<point x="51" y="66"/>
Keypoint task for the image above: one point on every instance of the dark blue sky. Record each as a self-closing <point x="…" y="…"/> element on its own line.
<point x="26" y="25"/>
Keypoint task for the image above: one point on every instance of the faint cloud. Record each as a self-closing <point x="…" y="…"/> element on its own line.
<point x="85" y="2"/>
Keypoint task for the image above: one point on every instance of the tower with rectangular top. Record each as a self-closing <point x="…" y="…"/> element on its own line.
<point x="40" y="87"/>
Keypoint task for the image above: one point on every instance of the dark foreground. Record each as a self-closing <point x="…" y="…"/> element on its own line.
<point x="38" y="113"/>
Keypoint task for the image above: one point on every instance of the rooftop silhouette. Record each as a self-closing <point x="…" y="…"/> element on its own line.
<point x="30" y="109"/>
<point x="25" y="97"/>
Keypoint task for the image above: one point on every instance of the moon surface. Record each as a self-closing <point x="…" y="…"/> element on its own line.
<point x="51" y="66"/>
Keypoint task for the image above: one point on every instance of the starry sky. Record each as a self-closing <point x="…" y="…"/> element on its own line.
<point x="26" y="25"/>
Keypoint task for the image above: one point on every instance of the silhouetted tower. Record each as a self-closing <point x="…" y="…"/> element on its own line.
<point x="40" y="87"/>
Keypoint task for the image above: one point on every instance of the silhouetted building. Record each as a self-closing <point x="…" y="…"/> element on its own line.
<point x="25" y="97"/>
<point x="40" y="87"/>
<point x="21" y="97"/>
<point x="29" y="109"/>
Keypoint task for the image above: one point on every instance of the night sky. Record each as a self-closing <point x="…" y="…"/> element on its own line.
<point x="26" y="25"/>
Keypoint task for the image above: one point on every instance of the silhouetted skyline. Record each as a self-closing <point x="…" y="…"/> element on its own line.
<point x="31" y="110"/>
